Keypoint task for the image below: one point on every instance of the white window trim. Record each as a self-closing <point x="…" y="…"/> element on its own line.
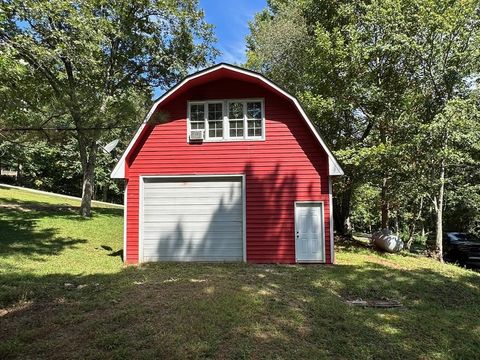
<point x="207" y="125"/>
<point x="226" y="120"/>
<point x="204" y="116"/>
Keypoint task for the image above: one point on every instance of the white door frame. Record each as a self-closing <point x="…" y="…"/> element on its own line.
<point x="187" y="176"/>
<point x="322" y="218"/>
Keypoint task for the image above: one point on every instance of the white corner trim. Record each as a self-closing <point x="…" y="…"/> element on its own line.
<point x="334" y="166"/>
<point x="119" y="170"/>
<point x="125" y="223"/>
<point x="330" y="204"/>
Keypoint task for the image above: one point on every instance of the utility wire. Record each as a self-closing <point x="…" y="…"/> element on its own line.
<point x="64" y="129"/>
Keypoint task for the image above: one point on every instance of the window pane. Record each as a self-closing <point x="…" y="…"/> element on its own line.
<point x="236" y="128"/>
<point x="254" y="110"/>
<point x="234" y="133"/>
<point x="197" y="125"/>
<point x="255" y="132"/>
<point x="254" y="127"/>
<point x="215" y="112"/>
<point x="197" y="112"/>
<point x="215" y="129"/>
<point x="235" y="110"/>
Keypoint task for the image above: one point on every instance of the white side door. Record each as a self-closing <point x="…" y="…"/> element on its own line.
<point x="309" y="232"/>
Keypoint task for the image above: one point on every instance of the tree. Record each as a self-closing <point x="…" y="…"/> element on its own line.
<point x="351" y="82"/>
<point x="444" y="66"/>
<point x="391" y="85"/>
<point x="95" y="61"/>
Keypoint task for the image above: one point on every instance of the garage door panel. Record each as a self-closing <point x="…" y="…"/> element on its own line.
<point x="187" y="190"/>
<point x="197" y="191"/>
<point x="183" y="258"/>
<point x="219" y="238"/>
<point x="192" y="220"/>
<point x="197" y="247"/>
<point x="189" y="184"/>
<point x="193" y="201"/>
<point x="191" y="209"/>
<point x="217" y="241"/>
<point x="217" y="203"/>
<point x="170" y="210"/>
<point x="199" y="227"/>
<point x="184" y="220"/>
<point x="161" y="230"/>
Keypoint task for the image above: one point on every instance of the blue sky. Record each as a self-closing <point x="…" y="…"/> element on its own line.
<point x="230" y="18"/>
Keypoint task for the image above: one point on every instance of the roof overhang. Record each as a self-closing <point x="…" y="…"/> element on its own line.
<point x="333" y="165"/>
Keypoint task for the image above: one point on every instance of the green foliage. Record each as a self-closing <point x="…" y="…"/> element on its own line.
<point x="90" y="65"/>
<point x="55" y="167"/>
<point x="393" y="87"/>
<point x="365" y="201"/>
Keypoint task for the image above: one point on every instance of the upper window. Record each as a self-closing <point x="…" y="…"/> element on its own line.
<point x="215" y="120"/>
<point x="254" y="118"/>
<point x="197" y="116"/>
<point x="235" y="119"/>
<point x="228" y="119"/>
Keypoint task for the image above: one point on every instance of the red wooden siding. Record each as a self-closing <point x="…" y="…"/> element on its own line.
<point x="288" y="166"/>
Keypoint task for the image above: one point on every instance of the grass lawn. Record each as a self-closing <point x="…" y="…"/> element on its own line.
<point x="64" y="293"/>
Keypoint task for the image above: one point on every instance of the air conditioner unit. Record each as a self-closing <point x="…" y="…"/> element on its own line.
<point x="196" y="135"/>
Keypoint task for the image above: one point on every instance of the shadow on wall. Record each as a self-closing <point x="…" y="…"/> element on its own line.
<point x="196" y="231"/>
<point x="271" y="216"/>
<point x="213" y="231"/>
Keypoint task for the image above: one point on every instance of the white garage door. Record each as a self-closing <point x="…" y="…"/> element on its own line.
<point x="192" y="219"/>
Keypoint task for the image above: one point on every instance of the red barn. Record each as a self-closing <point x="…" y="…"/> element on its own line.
<point x="228" y="167"/>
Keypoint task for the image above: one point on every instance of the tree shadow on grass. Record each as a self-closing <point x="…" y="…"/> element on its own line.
<point x="240" y="311"/>
<point x="19" y="234"/>
<point x="58" y="208"/>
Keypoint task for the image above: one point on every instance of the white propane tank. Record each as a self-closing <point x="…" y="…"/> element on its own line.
<point x="385" y="240"/>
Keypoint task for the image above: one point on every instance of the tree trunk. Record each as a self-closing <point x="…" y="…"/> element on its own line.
<point x="105" y="193"/>
<point x="341" y="212"/>
<point x="397" y="225"/>
<point x="439" y="210"/>
<point x="413" y="224"/>
<point x="384" y="204"/>
<point x="88" y="156"/>
<point x="411" y="234"/>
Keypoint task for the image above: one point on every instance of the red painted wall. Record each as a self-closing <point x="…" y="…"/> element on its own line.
<point x="288" y="166"/>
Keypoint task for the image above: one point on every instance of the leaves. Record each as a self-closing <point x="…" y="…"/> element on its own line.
<point x="391" y="85"/>
<point x="90" y="65"/>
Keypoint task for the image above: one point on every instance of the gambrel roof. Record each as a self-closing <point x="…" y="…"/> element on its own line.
<point x="213" y="73"/>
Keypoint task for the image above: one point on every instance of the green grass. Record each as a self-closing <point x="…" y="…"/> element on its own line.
<point x="232" y="311"/>
<point x="18" y="196"/>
